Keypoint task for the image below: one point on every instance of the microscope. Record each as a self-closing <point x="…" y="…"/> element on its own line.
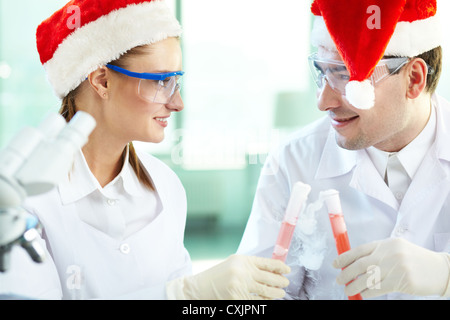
<point x="34" y="162"/>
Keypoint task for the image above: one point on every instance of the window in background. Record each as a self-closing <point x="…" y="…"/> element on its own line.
<point x="25" y="95"/>
<point x="246" y="80"/>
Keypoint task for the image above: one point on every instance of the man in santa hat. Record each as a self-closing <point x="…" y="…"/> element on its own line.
<point x="383" y="145"/>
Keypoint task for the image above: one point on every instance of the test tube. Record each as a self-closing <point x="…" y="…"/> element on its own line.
<point x="299" y="195"/>
<point x="333" y="203"/>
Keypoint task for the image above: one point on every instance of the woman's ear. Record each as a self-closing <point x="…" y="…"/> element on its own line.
<point x="99" y="81"/>
<point x="417" y="78"/>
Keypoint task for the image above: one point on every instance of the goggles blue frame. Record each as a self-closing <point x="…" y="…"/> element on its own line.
<point x="156" y="87"/>
<point x="145" y="75"/>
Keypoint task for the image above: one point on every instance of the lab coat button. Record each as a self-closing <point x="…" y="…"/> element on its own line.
<point x="399" y="195"/>
<point x="402" y="229"/>
<point x="111" y="202"/>
<point x="125" y="248"/>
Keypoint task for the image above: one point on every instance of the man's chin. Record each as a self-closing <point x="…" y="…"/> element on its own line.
<point x="351" y="144"/>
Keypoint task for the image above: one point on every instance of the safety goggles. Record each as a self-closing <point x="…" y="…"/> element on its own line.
<point x="335" y="73"/>
<point x="156" y="87"/>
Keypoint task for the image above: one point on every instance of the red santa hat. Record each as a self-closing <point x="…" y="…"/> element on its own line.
<point x="363" y="31"/>
<point x="86" y="34"/>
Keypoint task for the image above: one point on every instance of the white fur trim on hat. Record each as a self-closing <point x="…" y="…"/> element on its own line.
<point x="320" y="37"/>
<point x="106" y="39"/>
<point x="410" y="39"/>
<point x="361" y="95"/>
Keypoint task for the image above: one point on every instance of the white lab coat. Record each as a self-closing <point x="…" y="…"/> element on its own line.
<point x="370" y="209"/>
<point x="92" y="265"/>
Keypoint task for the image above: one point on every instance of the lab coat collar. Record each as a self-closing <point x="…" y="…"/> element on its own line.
<point x="432" y="176"/>
<point x="81" y="182"/>
<point x="158" y="174"/>
<point x="443" y="127"/>
<point x="413" y="154"/>
<point x="130" y="181"/>
<point x="335" y="161"/>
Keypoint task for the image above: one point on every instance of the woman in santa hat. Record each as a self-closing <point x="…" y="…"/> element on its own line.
<point x="114" y="228"/>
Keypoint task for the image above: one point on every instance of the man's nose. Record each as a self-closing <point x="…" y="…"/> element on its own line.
<point x="328" y="98"/>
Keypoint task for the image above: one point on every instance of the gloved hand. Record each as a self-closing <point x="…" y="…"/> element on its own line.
<point x="237" y="278"/>
<point x="394" y="265"/>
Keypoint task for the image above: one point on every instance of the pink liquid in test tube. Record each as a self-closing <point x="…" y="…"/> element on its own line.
<point x="299" y="195"/>
<point x="338" y="226"/>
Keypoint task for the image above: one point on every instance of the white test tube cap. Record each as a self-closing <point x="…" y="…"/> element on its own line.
<point x="332" y="201"/>
<point x="299" y="194"/>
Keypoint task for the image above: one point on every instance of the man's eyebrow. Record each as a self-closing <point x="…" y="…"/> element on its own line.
<point x="332" y="70"/>
<point x="338" y="69"/>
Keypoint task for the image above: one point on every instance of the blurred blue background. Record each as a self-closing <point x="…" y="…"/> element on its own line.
<point x="247" y="87"/>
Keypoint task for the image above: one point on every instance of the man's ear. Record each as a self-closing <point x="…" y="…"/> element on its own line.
<point x="99" y="81"/>
<point x="417" y="73"/>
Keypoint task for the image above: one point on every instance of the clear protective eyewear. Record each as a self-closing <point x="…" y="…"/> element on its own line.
<point x="156" y="87"/>
<point x="335" y="73"/>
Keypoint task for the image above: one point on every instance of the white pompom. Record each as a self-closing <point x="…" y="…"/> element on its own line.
<point x="361" y="95"/>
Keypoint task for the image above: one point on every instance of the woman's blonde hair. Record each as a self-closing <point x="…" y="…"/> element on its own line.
<point x="69" y="108"/>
